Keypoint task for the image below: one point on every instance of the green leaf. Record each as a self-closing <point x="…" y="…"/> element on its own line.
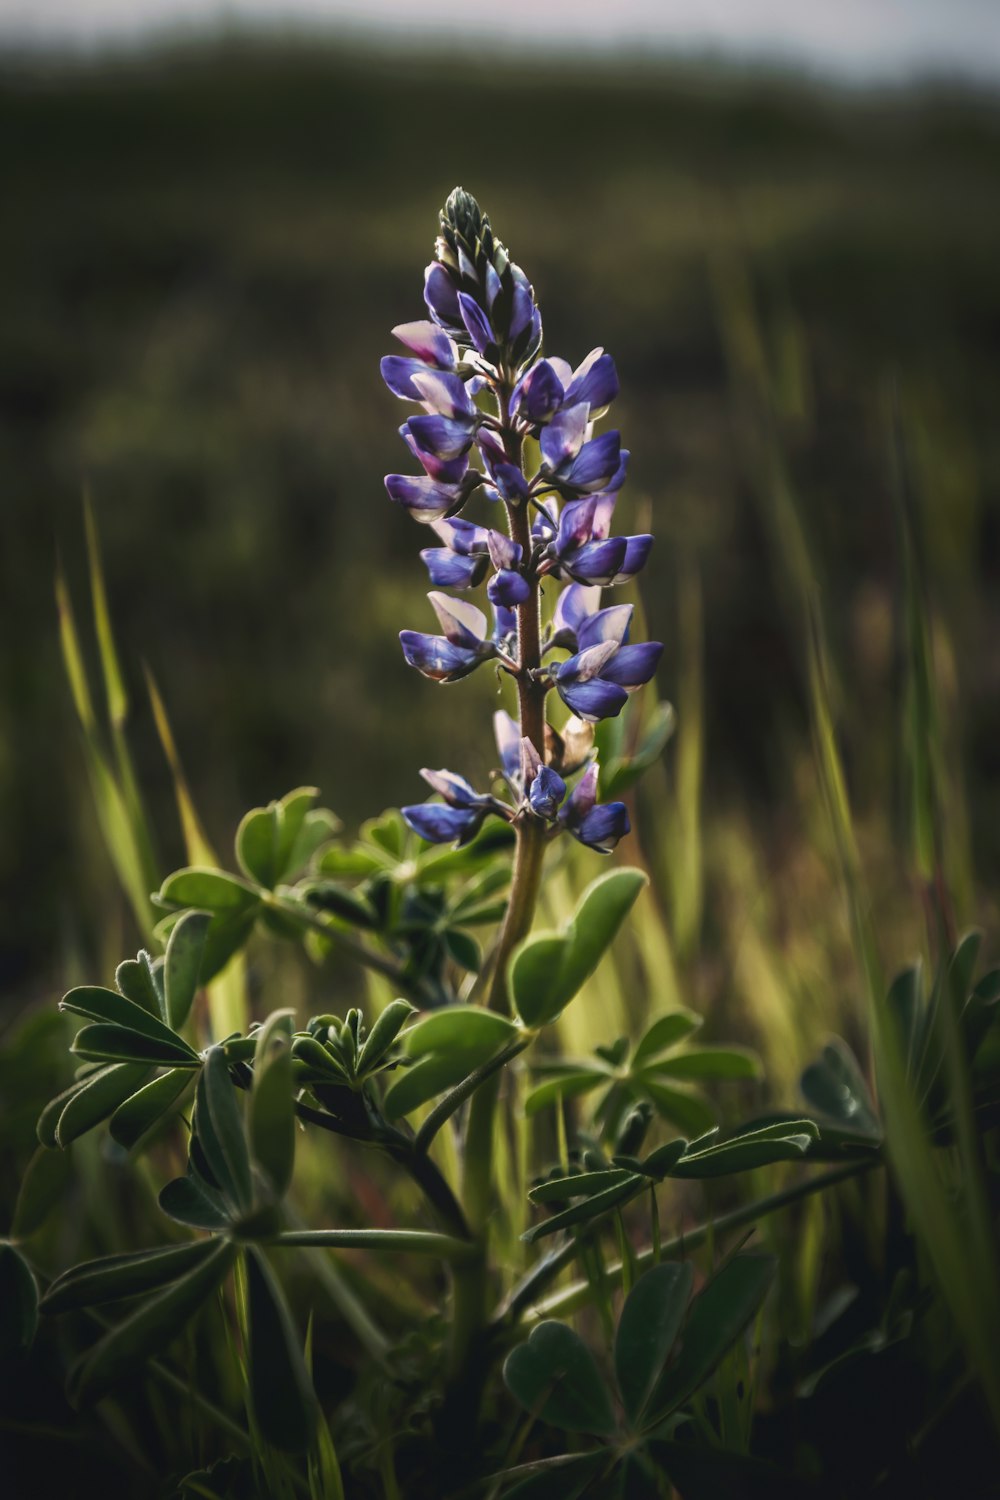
<point x="208" y="890"/>
<point x="188" y="1200"/>
<point x="114" y="1277"/>
<point x="547" y="971"/>
<point x="554" y="1377"/>
<point x="182" y="965"/>
<point x="758" y="1148"/>
<point x="150" y="1328"/>
<point x="466" y="1028"/>
<point x="101" y="1005"/>
<point x="716" y="1320"/>
<point x="219" y="1127"/>
<point x="338" y="901"/>
<point x="707" y="1062"/>
<point x="463" y="949"/>
<point x="257" y="840"/>
<point x="132" y="1120"/>
<point x="565" y="1086"/>
<point x="834" y="1085"/>
<point x="647" y="1330"/>
<point x="272" y="1101"/>
<point x="88" y="1102"/>
<point x="577" y="1185"/>
<point x="18" y="1303"/>
<point x="43" y="1185"/>
<point x="387" y="832"/>
<point x="688" y="1111"/>
<point x="428" y="1077"/>
<point x="103" y="1043"/>
<point x="591" y="1208"/>
<point x="283" y="1400"/>
<point x="315" y="1062"/>
<point x="141" y="983"/>
<point x="383" y="1033"/>
<point x="665" y="1032"/>
<point x="348" y="863"/>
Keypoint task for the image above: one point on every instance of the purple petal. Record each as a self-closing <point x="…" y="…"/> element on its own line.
<point x="398" y="373"/>
<point x="437" y="658"/>
<point x="582" y="797"/>
<point x="445" y="470"/>
<point x="462" y="623"/>
<point x="604" y="509"/>
<point x="427" y="342"/>
<point x="450" y="570"/>
<point x="637" y="549"/>
<point x="511" y="482"/>
<point x="574" y="605"/>
<point x="463" y="537"/>
<point x="441" y="296"/>
<point x="603" y="826"/>
<point x="508" y="588"/>
<point x="492" y="285"/>
<point x="523" y="310"/>
<point x="595" y="465"/>
<point x="504" y="626"/>
<point x="455" y="790"/>
<point x="586" y="664"/>
<point x="546" y="792"/>
<point x="610" y="624"/>
<point x="445" y="394"/>
<point x="439" y="824"/>
<point x="561" y="440"/>
<point x="597" y="562"/>
<point x="594" y="382"/>
<point x="575" y="526"/>
<point x="423" y="497"/>
<point x="508" y="738"/>
<point x="539" y="395"/>
<point x="443" y="437"/>
<point x="593" y="700"/>
<point x="477" y="323"/>
<point x="631" y="666"/>
<point x="503" y="552"/>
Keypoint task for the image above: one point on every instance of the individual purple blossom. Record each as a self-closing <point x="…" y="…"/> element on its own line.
<point x="550" y="385"/>
<point x="455" y="820"/>
<point x="598" y="825"/>
<point x="463" y="560"/>
<point x="595" y="682"/>
<point x="464" y="644"/>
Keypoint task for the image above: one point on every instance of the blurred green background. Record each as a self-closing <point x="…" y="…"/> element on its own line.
<point x="203" y="252"/>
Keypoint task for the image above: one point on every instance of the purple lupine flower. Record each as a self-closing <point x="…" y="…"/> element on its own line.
<point x="598" y="825"/>
<point x="430" y="348"/>
<point x="508" y="587"/>
<point x="463" y="560"/>
<point x="596" y="681"/>
<point x="462" y="647"/>
<point x="426" y="499"/>
<point x="550" y="385"/>
<point x="457" y="819"/>
<point x="579" y="622"/>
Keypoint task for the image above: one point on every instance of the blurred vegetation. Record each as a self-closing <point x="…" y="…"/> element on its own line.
<point x="203" y="254"/>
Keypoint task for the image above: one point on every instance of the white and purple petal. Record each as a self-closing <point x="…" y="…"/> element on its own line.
<point x="437" y="658"/>
<point x="508" y="739"/>
<point x="428" y="342"/>
<point x="508" y="588"/>
<point x="611" y="624"/>
<point x="595" y="381"/>
<point x="595" y="465"/>
<point x="463" y="624"/>
<point x="425" y="498"/>
<point x="441" y="297"/>
<point x="452" y="570"/>
<point x="562" y="440"/>
<point x="595" y="562"/>
<point x="477" y="323"/>
<point x="631" y="666"/>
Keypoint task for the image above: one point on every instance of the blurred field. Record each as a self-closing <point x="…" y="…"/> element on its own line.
<point x="201" y="259"/>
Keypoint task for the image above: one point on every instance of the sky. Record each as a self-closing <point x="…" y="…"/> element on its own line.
<point x="861" y="39"/>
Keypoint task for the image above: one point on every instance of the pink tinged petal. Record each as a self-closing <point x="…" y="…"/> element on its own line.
<point x="562" y="439"/>
<point x="637" y="549"/>
<point x="462" y="623"/>
<point x="444" y="393"/>
<point x="508" y="738"/>
<point x="606" y="625"/>
<point x="427" y="342"/>
<point x="491" y="448"/>
<point x="604" y="509"/>
<point x="634" y="665"/>
<point x="530" y="760"/>
<point x="446" y="470"/>
<point x="583" y="795"/>
<point x="503" y="552"/>
<point x="422" y="496"/>
<point x="575" y="525"/>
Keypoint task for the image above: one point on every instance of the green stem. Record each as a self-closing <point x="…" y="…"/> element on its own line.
<point x="524" y="1296"/>
<point x="412" y="1241"/>
<point x="447" y="1106"/>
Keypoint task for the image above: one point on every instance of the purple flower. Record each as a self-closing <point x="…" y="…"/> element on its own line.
<point x="426" y="499"/>
<point x="464" y="559"/>
<point x="578" y="622"/>
<point x="458" y="818"/>
<point x="550" y="385"/>
<point x="464" y="643"/>
<point x="596" y="681"/>
<point x="598" y="825"/>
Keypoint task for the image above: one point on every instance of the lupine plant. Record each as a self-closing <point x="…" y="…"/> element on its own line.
<point x="459" y="1043"/>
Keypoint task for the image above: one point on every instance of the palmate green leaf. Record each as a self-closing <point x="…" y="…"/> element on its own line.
<point x="275" y="842"/>
<point x="103" y="1043"/>
<point x="134" y="1119"/>
<point x="569" y="1085"/>
<point x="191" y="1201"/>
<point x="43" y="1186"/>
<point x="220" y="1131"/>
<point x="284" y="1403"/>
<point x="345" y="864"/>
<point x="547" y="971"/>
<point x="150" y="1328"/>
<point x="338" y="901"/>
<point x="554" y="1376"/>
<point x="717" y="1318"/>
<point x="182" y="965"/>
<point x="88" y="1102"/>
<point x="257" y="845"/>
<point x="115" y="1277"/>
<point x="233" y="904"/>
<point x="686" y="1109"/>
<point x="647" y="1330"/>
<point x="383" y="1033"/>
<point x="446" y="1046"/>
<point x="18" y="1303"/>
<point x="98" y="1004"/>
<point x="706" y="1062"/>
<point x="665" y="1032"/>
<point x="272" y="1101"/>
